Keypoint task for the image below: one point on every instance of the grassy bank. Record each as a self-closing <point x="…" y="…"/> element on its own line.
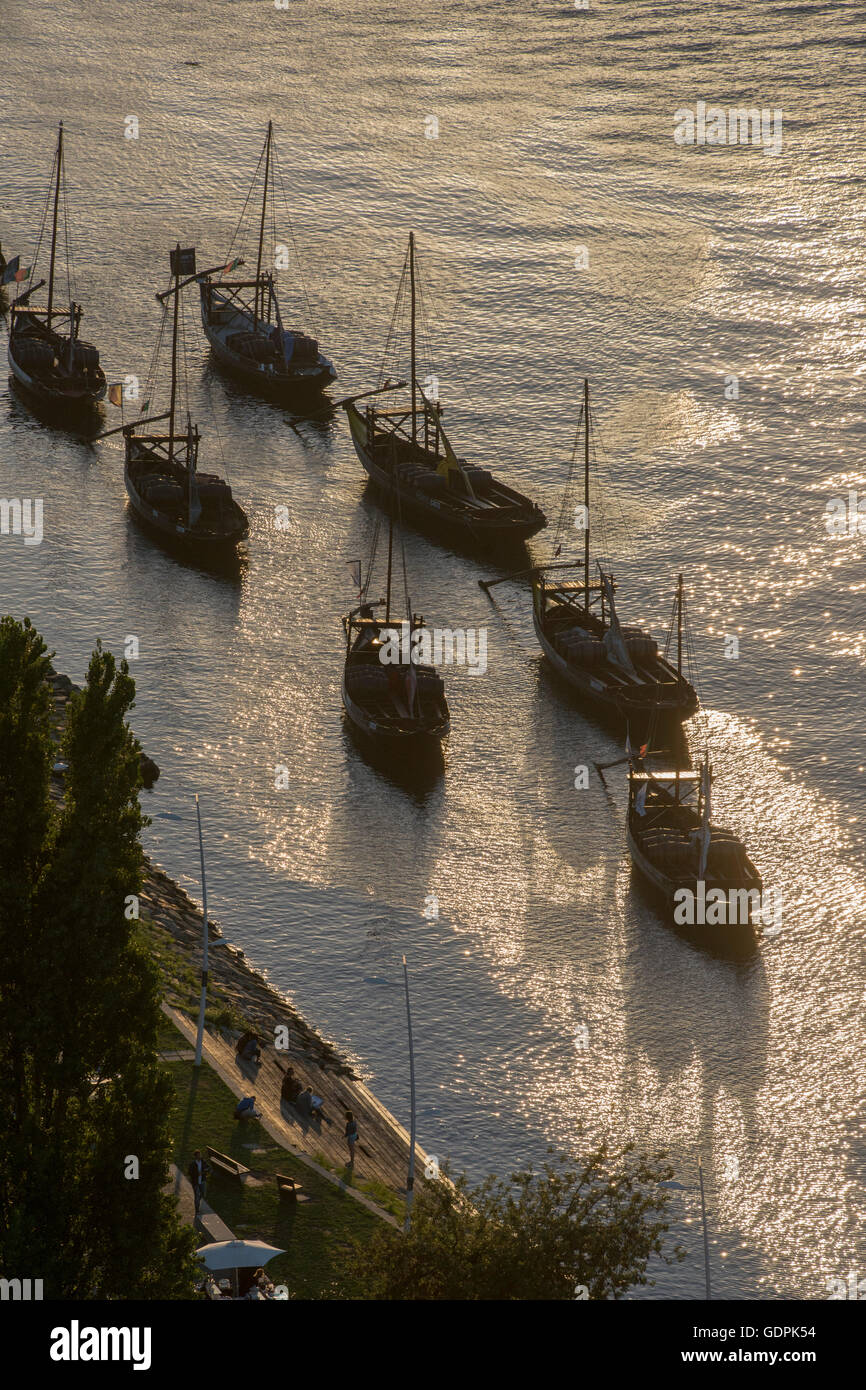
<point x="313" y="1233"/>
<point x="181" y="983"/>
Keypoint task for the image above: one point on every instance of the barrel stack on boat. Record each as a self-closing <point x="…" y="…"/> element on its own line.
<point x="702" y="871"/>
<point x="408" y="455"/>
<point x="401" y="707"/>
<point x="56" y="370"/>
<point x="242" y="321"/>
<point x="392" y="699"/>
<point x="617" y="670"/>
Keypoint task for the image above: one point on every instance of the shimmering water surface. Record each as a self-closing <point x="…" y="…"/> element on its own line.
<point x="555" y="132"/>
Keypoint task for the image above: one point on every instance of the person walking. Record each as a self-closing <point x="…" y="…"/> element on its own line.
<point x="198" y="1175"/>
<point x="351" y="1134"/>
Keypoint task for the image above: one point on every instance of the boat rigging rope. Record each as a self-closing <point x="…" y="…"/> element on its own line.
<point x="184" y="357"/>
<point x="394" y="358"/>
<point x="700" y="719"/>
<point x="237" y="231"/>
<point x="395" y="327"/>
<point x="366" y="585"/>
<point x="423" y="322"/>
<point x="308" y="308"/>
<point x="565" y="526"/>
<point x="616" y="537"/>
<point x="70" y="276"/>
<point x="43" y="222"/>
<point x="150" y="379"/>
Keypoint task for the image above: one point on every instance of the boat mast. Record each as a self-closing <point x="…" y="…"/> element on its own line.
<point x="59" y="158"/>
<point x="586" y="494"/>
<point x="390" y="556"/>
<point x="173" y="400"/>
<point x="262" y="228"/>
<point x="680" y="627"/>
<point x="412" y="349"/>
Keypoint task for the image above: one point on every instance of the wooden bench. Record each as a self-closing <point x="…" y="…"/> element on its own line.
<point x="227" y="1165"/>
<point x="213" y="1226"/>
<point x="290" y="1189"/>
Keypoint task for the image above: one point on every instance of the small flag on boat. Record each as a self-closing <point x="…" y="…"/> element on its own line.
<point x="232" y="265"/>
<point x="183" y="261"/>
<point x="642" y="750"/>
<point x="15" y="271"/>
<point x="145" y="407"/>
<point x="115" y="393"/>
<point x="557" y="551"/>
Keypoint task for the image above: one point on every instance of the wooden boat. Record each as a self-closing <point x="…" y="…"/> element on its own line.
<point x="242" y="322"/>
<point x="407" y="454"/>
<point x="55" y="369"/>
<point x="618" y="670"/>
<point x="702" y="871"/>
<point x="399" y="706"/>
<point x="194" y="512"/>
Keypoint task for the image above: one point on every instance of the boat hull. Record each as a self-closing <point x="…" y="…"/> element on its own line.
<point x="199" y="545"/>
<point x="258" y="377"/>
<point x="734" y="935"/>
<point x="610" y="702"/>
<point x="429" y="515"/>
<point x="386" y="738"/>
<point x="71" y="403"/>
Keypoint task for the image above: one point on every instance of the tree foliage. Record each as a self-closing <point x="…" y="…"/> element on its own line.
<point x="80" y="1088"/>
<point x="572" y="1229"/>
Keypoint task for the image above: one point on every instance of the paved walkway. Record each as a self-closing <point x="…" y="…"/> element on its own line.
<point x="208" y="1222"/>
<point x="383" y="1151"/>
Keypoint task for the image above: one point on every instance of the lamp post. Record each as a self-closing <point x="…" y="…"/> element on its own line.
<point x="410" y="1185"/>
<point x="203" y="1000"/>
<point x="704" y="1218"/>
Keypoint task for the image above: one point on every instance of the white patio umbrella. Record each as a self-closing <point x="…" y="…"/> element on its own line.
<point x="237" y="1254"/>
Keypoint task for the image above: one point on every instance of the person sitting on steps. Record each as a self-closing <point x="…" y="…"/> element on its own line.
<point x="309" y="1105"/>
<point x="291" y="1087"/>
<point x="246" y="1109"/>
<point x="247" y="1047"/>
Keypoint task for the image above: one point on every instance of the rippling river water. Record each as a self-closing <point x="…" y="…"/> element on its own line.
<point x="555" y="133"/>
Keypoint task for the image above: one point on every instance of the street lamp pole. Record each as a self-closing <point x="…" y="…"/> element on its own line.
<point x="410" y="1185"/>
<point x="203" y="1000"/>
<point x="704" y="1220"/>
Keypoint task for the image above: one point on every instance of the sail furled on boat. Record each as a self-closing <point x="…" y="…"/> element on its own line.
<point x="411" y="689"/>
<point x="450" y="461"/>
<point x="614" y="642"/>
<point x="194" y="500"/>
<point x="285" y="341"/>
<point x="705" y="833"/>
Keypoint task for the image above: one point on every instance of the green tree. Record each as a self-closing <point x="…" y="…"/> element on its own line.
<point x="90" y="1101"/>
<point x="548" y="1234"/>
<point x="25" y="837"/>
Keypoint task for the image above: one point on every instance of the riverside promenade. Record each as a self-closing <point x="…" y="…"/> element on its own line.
<point x="172" y="924"/>
<point x="382" y="1155"/>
